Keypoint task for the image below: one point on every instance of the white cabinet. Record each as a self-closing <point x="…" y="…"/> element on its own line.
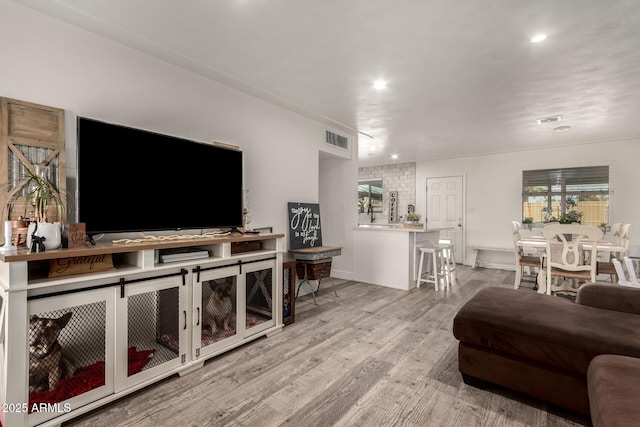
<point x="152" y="327"/>
<point x="87" y="347"/>
<point x="123" y="329"/>
<point x="232" y="303"/>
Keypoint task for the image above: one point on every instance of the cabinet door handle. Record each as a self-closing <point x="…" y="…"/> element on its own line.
<point x="198" y="323"/>
<point x="185" y="319"/>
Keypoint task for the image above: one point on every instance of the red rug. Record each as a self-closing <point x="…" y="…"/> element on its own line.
<point x="206" y="338"/>
<point x="87" y="378"/>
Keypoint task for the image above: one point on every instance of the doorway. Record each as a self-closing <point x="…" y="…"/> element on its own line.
<point x="445" y="196"/>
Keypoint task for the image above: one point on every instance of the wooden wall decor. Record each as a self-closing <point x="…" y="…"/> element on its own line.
<point x="30" y="135"/>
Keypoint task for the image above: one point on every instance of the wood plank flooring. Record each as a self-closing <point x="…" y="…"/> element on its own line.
<point x="374" y="356"/>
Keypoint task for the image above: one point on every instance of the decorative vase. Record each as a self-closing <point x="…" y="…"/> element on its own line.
<point x="52" y="232"/>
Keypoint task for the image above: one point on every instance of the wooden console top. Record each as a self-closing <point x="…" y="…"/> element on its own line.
<point x="22" y="254"/>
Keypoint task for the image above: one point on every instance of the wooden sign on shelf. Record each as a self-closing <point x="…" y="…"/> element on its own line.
<point x="80" y="264"/>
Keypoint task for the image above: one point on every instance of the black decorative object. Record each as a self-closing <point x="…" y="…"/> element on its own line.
<point x="304" y="225"/>
<point x="37" y="242"/>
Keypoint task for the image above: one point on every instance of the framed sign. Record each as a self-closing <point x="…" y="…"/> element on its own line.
<point x="304" y="225"/>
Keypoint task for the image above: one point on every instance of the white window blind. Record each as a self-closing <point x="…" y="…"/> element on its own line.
<point x="549" y="193"/>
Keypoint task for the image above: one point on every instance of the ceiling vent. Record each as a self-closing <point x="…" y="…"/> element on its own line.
<point x="337" y="140"/>
<point x="551" y="119"/>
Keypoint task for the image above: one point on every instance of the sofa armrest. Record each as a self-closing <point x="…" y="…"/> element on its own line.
<point x="610" y="297"/>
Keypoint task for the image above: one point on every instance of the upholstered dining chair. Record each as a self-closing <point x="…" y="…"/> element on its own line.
<point x="565" y="254"/>
<point x="523" y="259"/>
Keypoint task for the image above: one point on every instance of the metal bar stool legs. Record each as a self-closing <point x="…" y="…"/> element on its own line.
<point x="333" y="285"/>
<point x="314" y="270"/>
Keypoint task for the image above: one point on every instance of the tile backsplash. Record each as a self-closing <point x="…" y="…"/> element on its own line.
<point x="397" y="177"/>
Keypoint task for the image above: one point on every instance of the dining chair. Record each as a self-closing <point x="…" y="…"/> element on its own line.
<point x="523" y="259"/>
<point x="615" y="233"/>
<point x="565" y="254"/>
<point x="631" y="269"/>
<point x="621" y="237"/>
<point x="632" y="280"/>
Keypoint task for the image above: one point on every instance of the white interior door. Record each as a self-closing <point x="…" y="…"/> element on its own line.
<point x="444" y="209"/>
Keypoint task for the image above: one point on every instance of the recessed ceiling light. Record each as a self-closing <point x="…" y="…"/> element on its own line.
<point x="394" y="156"/>
<point x="562" y="128"/>
<point x="379" y="84"/>
<point x="538" y="38"/>
<point x="550" y="119"/>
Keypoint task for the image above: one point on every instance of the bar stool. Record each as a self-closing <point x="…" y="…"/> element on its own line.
<point x="449" y="254"/>
<point x="435" y="257"/>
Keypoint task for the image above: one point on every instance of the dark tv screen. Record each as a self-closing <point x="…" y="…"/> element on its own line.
<point x="135" y="180"/>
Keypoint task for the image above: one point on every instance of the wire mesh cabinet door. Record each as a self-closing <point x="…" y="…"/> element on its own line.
<point x="70" y="352"/>
<point x="216" y="310"/>
<point x="261" y="301"/>
<point x="153" y="328"/>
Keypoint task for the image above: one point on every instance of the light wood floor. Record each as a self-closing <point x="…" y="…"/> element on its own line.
<point x="374" y="356"/>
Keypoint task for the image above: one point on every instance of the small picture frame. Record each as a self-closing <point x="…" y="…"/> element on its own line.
<point x="77" y="235"/>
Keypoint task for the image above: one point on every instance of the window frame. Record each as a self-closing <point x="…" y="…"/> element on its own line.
<point x="376" y="202"/>
<point x="554" y="187"/>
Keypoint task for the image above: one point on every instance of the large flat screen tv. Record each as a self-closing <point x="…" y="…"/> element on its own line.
<point x="135" y="180"/>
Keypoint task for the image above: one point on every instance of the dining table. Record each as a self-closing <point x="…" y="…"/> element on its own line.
<point x="602" y="248"/>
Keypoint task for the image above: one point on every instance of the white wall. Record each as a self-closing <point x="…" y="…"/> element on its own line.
<point x="494" y="186"/>
<point x="49" y="62"/>
<point x="338" y="196"/>
<point x="52" y="63"/>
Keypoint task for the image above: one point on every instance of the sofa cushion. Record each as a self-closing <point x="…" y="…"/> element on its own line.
<point x="545" y="329"/>
<point x="604" y="295"/>
<point x="613" y="390"/>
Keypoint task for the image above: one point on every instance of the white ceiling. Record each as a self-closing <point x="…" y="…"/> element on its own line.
<point x="463" y="77"/>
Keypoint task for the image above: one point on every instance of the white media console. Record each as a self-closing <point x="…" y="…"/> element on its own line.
<point x="132" y="325"/>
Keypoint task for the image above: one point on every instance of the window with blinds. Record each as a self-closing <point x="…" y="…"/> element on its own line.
<point x="547" y="194"/>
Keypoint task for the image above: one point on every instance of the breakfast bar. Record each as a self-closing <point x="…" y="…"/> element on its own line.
<point x="386" y="255"/>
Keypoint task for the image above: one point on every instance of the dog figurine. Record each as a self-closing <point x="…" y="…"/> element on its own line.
<point x="47" y="363"/>
<point x="219" y="308"/>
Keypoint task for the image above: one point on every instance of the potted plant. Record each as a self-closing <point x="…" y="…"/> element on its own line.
<point x="570" y="217"/>
<point x="412" y="218"/>
<point x="527" y="222"/>
<point x="41" y="196"/>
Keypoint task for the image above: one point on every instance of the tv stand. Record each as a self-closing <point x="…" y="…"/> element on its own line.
<point x="135" y="324"/>
<point x="241" y="230"/>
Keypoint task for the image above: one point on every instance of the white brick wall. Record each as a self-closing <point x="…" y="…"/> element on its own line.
<point x="397" y="177"/>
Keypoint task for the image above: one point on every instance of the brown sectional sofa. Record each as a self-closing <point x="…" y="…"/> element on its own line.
<point x="613" y="390"/>
<point x="543" y="346"/>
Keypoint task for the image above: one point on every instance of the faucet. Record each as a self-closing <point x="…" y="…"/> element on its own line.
<point x="370" y="212"/>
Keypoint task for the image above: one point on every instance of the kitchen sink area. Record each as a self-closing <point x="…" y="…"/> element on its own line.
<point x="374" y="225"/>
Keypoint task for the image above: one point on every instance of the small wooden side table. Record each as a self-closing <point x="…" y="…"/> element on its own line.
<point x="288" y="290"/>
<point x="315" y="264"/>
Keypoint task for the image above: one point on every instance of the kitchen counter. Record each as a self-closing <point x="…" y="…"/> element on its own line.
<point x="386" y="255"/>
<point x="393" y="227"/>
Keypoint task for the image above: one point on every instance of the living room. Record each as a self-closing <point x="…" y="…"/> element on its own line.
<point x="51" y="62"/>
